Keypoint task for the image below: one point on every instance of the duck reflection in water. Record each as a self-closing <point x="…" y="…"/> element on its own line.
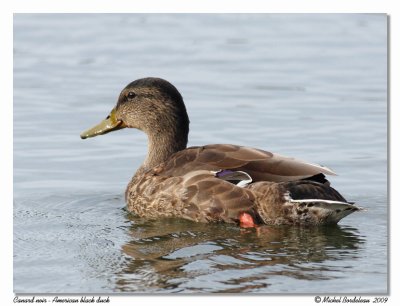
<point x="169" y="252"/>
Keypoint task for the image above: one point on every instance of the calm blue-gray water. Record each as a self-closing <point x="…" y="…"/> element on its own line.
<point x="308" y="86"/>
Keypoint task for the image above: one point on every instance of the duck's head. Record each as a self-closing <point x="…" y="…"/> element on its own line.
<point x="152" y="105"/>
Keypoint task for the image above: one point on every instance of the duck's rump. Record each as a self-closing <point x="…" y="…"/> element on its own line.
<point x="302" y="202"/>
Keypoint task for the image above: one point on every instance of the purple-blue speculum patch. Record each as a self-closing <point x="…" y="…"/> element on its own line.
<point x="222" y="173"/>
<point x="239" y="178"/>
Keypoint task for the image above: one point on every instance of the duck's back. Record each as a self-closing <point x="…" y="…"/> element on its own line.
<point x="260" y="165"/>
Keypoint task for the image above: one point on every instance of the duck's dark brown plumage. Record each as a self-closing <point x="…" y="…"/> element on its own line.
<point x="216" y="182"/>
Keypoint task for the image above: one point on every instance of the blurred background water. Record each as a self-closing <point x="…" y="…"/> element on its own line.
<point x="312" y="86"/>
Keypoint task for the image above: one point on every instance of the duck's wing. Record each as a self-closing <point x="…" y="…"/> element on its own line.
<point x="260" y="165"/>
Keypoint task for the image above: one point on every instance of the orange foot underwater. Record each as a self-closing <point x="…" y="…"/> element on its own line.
<point x="246" y="220"/>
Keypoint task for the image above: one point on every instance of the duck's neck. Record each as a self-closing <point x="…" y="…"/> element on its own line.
<point x="160" y="148"/>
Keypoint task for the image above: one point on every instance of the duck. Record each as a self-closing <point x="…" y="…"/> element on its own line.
<point x="216" y="182"/>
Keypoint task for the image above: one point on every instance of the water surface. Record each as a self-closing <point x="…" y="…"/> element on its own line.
<point x="309" y="86"/>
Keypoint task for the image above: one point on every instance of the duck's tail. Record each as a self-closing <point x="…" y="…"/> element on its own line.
<point x="319" y="211"/>
<point x="301" y="202"/>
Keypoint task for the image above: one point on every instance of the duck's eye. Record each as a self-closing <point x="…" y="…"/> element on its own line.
<point x="131" y="95"/>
